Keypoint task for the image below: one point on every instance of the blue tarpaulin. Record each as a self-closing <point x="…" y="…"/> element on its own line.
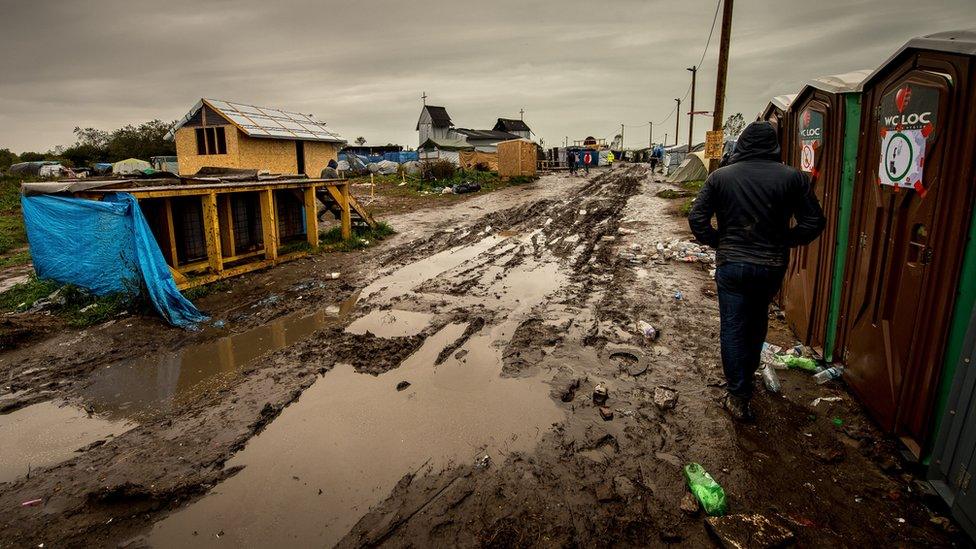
<point x="104" y="246"/>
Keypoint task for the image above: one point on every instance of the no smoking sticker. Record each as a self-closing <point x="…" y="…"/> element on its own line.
<point x="807" y="156"/>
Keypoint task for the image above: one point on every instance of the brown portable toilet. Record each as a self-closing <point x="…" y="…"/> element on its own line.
<point x="775" y="114"/>
<point x="910" y="240"/>
<point x="824" y="123"/>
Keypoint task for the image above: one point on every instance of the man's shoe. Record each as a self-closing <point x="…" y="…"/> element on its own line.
<point x="739" y="408"/>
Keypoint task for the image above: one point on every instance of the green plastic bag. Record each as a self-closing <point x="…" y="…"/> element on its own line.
<point x="799" y="362"/>
<point x="706" y="490"/>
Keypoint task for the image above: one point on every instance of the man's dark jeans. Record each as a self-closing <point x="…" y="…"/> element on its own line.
<point x="744" y="293"/>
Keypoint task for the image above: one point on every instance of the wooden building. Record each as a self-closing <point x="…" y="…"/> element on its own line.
<point x="222" y="134"/>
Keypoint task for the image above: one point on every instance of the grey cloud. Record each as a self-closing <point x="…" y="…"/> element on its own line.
<point x="576" y="67"/>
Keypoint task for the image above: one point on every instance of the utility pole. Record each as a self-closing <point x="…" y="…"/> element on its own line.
<point x="650" y="136"/>
<point x="718" y="112"/>
<point x="677" y="121"/>
<point x="691" y="112"/>
<point x="665" y="139"/>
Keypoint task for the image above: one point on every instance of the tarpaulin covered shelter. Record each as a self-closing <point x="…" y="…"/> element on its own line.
<point x="105" y="246"/>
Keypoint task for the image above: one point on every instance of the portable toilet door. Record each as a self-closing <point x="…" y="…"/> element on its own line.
<point x="775" y="114"/>
<point x="953" y="463"/>
<point x="912" y="212"/>
<point x="824" y="120"/>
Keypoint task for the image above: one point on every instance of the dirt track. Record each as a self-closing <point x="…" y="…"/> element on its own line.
<point x="491" y="308"/>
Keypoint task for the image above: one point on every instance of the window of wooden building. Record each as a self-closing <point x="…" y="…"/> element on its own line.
<point x="211" y="140"/>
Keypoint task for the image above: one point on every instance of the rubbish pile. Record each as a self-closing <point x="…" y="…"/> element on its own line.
<point x="683" y="250"/>
<point x="799" y="358"/>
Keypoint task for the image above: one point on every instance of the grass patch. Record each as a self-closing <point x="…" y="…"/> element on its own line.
<point x="20" y="257"/>
<point x="10" y="193"/>
<point x="23" y="295"/>
<point x="685" y="208"/>
<point x="672" y="194"/>
<point x="204" y="290"/>
<point x="13" y="235"/>
<point x="332" y="241"/>
<point x="78" y="307"/>
<point x="694" y="186"/>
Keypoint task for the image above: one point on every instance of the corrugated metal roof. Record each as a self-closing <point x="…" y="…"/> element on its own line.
<point x="840" y="83"/>
<point x="487" y="134"/>
<point x="446" y="144"/>
<point x="265" y="122"/>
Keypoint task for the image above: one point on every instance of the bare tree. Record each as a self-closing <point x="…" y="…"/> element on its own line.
<point x="362" y="140"/>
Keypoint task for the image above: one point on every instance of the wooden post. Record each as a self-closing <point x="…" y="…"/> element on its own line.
<point x="311" y="218"/>
<point x="211" y="232"/>
<point x="171" y="232"/>
<point x="227" y="244"/>
<point x="718" y="111"/>
<point x="346" y="215"/>
<point x="269" y="224"/>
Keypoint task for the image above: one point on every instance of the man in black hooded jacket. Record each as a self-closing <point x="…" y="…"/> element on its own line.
<point x="763" y="209"/>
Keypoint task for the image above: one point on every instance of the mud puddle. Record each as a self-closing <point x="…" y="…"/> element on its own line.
<point x="391" y="323"/>
<point x="153" y="384"/>
<point x="46" y="434"/>
<point x="344" y="445"/>
<point x="405" y="278"/>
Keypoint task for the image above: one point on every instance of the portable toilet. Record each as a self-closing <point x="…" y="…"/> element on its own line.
<point x="911" y="261"/>
<point x="775" y="114"/>
<point x="824" y="122"/>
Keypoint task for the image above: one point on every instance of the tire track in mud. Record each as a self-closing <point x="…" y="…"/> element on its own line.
<point x="163" y="464"/>
<point x="591" y="482"/>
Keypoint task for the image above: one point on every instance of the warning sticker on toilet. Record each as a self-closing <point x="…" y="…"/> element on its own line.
<point x="903" y="156"/>
<point x="811" y="139"/>
<point x="908" y="118"/>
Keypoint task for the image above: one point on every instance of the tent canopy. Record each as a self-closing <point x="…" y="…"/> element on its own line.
<point x="693" y="168"/>
<point x="130" y="165"/>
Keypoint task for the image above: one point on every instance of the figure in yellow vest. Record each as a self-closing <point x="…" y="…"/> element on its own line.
<point x="610" y="159"/>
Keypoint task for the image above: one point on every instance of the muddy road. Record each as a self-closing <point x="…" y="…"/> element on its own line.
<point x="439" y="393"/>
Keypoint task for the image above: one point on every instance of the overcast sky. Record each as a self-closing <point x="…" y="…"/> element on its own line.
<point x="577" y="67"/>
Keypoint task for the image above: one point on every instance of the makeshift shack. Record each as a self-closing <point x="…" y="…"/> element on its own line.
<point x="438" y="148"/>
<point x="223" y="134"/>
<point x="517" y="157"/>
<point x="202" y="229"/>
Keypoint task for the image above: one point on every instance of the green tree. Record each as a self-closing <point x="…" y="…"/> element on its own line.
<point x="734" y="125"/>
<point x="7" y="158"/>
<point x="32" y="156"/>
<point x="142" y="141"/>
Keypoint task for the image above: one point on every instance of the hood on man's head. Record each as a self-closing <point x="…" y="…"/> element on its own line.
<point x="757" y="142"/>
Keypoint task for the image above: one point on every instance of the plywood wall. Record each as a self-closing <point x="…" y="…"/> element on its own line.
<point x="516" y="158"/>
<point x="190" y="162"/>
<point x="273" y="155"/>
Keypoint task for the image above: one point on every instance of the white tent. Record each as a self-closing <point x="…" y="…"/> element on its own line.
<point x="130" y="165"/>
<point x="693" y="168"/>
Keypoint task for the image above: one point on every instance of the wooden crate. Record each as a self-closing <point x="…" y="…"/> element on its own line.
<point x="517" y="157"/>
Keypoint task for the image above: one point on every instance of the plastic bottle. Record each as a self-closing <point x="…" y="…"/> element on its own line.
<point x="705" y="489"/>
<point x="770" y="379"/>
<point x="833" y="372"/>
<point x="650" y="332"/>
<point x="799" y="362"/>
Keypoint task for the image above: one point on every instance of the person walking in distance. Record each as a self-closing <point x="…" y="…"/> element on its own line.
<point x="610" y="159"/>
<point x="586" y="162"/>
<point x="571" y="161"/>
<point x="755" y="200"/>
